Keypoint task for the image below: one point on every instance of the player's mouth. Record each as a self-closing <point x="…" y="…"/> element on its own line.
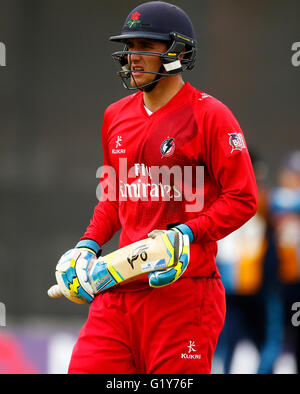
<point x="137" y="70"/>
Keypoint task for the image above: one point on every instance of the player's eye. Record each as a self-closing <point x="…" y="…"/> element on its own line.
<point x="146" y="45"/>
<point x="130" y="45"/>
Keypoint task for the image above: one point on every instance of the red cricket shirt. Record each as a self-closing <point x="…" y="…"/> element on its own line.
<point x="192" y="132"/>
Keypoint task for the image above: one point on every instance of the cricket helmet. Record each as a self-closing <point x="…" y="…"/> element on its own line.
<point x="158" y="20"/>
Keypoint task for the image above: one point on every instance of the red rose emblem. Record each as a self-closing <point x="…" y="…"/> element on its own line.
<point x="135" y="19"/>
<point x="135" y="16"/>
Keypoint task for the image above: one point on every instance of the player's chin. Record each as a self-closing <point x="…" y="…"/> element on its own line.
<point x="139" y="80"/>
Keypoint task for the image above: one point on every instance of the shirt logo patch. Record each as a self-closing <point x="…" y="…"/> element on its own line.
<point x="192" y="352"/>
<point x="118" y="142"/>
<point x="204" y="96"/>
<point x="167" y="148"/>
<point x="118" y="145"/>
<point x="236" y="141"/>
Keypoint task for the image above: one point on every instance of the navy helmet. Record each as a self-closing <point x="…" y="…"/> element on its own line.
<point x="158" y="20"/>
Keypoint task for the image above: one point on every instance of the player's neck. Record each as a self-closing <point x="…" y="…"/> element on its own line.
<point x="164" y="91"/>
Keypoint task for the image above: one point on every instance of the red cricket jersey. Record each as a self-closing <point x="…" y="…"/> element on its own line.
<point x="192" y="132"/>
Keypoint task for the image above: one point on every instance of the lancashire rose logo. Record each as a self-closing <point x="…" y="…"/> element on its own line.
<point x="135" y="20"/>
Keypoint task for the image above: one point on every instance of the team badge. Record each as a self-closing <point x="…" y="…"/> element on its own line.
<point x="236" y="141"/>
<point x="135" y="20"/>
<point x="167" y="148"/>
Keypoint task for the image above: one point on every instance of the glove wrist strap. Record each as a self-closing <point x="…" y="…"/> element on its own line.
<point x="186" y="230"/>
<point x="90" y="244"/>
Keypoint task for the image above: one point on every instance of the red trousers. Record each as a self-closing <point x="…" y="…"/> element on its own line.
<point x="171" y="330"/>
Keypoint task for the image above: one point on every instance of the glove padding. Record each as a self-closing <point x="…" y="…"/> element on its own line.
<point x="72" y="275"/>
<point x="170" y="275"/>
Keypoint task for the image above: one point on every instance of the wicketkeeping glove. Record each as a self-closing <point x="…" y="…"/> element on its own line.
<point x="164" y="278"/>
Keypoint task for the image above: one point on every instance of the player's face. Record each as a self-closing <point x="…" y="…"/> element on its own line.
<point x="139" y="63"/>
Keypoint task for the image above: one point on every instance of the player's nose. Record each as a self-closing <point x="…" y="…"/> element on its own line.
<point x="135" y="58"/>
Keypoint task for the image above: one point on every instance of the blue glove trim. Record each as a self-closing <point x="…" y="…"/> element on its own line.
<point x="186" y="230"/>
<point x="102" y="278"/>
<point x="68" y="278"/>
<point x="163" y="279"/>
<point x="90" y="244"/>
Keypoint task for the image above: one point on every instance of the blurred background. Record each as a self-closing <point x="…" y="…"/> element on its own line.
<point x="58" y="79"/>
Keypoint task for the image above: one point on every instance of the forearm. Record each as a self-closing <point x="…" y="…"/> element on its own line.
<point x="104" y="223"/>
<point x="226" y="214"/>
